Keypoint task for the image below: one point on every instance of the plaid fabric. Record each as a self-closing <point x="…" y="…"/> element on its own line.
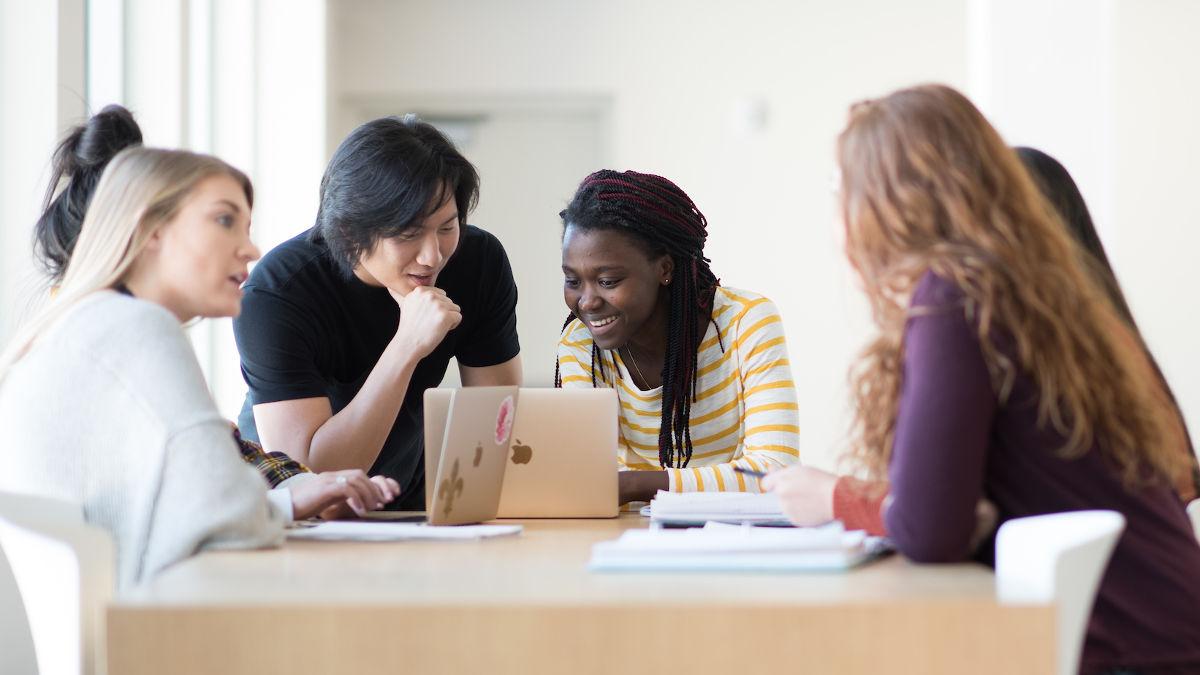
<point x="276" y="467"/>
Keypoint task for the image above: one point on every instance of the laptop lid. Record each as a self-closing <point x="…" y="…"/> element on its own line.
<point x="562" y="459"/>
<point x="437" y="409"/>
<point x="471" y="462"/>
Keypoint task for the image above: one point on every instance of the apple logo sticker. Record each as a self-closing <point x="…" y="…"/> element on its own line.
<point x="504" y="420"/>
<point x="521" y="453"/>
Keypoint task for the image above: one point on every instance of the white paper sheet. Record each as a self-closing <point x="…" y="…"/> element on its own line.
<point x="338" y="530"/>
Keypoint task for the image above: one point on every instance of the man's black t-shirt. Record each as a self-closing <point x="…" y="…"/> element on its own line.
<point x="309" y="329"/>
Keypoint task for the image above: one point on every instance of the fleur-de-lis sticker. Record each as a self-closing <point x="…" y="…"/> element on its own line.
<point x="451" y="488"/>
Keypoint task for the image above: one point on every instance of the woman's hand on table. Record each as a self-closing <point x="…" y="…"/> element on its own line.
<point x="805" y="494"/>
<point x="337" y="494"/>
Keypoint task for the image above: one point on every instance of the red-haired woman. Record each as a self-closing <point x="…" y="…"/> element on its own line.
<point x="1003" y="371"/>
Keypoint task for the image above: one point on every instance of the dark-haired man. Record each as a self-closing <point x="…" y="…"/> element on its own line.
<point x="345" y="326"/>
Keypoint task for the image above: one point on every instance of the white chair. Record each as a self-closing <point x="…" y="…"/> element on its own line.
<point x="1057" y="558"/>
<point x="63" y="569"/>
<point x="1193" y="510"/>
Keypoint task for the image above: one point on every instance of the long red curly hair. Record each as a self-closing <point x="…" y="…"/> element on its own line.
<point x="928" y="184"/>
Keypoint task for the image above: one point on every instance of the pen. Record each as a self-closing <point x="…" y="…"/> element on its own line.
<point x="748" y="472"/>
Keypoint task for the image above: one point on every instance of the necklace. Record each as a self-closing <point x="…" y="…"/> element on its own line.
<point x="633" y="361"/>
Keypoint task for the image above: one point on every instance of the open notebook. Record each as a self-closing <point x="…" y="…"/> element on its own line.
<point x="722" y="547"/>
<point x="697" y="508"/>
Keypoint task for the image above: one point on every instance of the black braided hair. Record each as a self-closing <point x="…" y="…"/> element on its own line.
<point x="657" y="213"/>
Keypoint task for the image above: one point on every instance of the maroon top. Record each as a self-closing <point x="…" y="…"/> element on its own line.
<point x="955" y="444"/>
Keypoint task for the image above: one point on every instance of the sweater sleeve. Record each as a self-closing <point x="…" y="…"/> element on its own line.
<point x="204" y="495"/>
<point x="208" y="498"/>
<point x="942" y="427"/>
<point x="859" y="504"/>
<point x="770" y="423"/>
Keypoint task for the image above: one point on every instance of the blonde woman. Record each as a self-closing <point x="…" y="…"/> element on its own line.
<point x="76" y="167"/>
<point x="101" y="397"/>
<point x="1000" y="370"/>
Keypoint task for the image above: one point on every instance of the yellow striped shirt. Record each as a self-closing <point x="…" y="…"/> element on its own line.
<point x="745" y="412"/>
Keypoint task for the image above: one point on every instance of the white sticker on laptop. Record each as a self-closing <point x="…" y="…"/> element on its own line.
<point x="504" y="420"/>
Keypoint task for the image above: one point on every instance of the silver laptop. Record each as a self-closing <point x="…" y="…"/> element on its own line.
<point x="467" y="435"/>
<point x="561" y="457"/>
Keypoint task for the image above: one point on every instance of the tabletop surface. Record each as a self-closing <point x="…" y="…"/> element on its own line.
<point x="545" y="565"/>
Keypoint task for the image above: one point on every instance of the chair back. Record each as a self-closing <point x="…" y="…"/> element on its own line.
<point x="1057" y="558"/>
<point x="63" y="570"/>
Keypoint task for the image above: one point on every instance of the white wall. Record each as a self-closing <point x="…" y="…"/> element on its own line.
<point x="269" y="119"/>
<point x="1110" y="86"/>
<point x="677" y="73"/>
<point x="1112" y="89"/>
<point x="1042" y="73"/>
<point x="1156" y="143"/>
<point x="41" y="91"/>
<point x="241" y="79"/>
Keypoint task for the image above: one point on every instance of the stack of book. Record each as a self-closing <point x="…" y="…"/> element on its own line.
<point x="722" y="547"/>
<point x="698" y="508"/>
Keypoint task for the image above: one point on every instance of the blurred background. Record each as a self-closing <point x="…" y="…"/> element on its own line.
<point x="738" y="102"/>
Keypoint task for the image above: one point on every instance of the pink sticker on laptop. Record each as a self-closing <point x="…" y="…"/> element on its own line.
<point x="504" y="420"/>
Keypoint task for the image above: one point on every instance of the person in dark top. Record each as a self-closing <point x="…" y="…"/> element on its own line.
<point x="345" y="326"/>
<point x="1062" y="192"/>
<point x="1003" y="372"/>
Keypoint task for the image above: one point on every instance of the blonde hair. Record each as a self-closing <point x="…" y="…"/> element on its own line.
<point x="141" y="190"/>
<point x="929" y="185"/>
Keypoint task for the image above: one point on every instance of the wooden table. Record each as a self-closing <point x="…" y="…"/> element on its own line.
<point x="528" y="604"/>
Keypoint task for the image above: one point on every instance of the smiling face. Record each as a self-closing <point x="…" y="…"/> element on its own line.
<point x="612" y="284"/>
<point x="196" y="262"/>
<point x="415" y="257"/>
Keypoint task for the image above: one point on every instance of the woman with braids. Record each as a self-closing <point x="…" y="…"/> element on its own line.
<point x="1002" y="371"/>
<point x="810" y="496"/>
<point x="701" y="370"/>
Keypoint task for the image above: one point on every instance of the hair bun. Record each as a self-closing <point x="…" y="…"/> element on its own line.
<point x="93" y="144"/>
<point x="75" y="171"/>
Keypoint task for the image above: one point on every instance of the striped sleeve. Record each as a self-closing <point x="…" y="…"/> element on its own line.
<point x="770" y="424"/>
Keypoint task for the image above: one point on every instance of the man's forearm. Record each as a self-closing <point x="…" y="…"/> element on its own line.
<point x="353" y="438"/>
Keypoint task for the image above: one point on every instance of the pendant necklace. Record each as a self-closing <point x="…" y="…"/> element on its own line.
<point x="633" y="362"/>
